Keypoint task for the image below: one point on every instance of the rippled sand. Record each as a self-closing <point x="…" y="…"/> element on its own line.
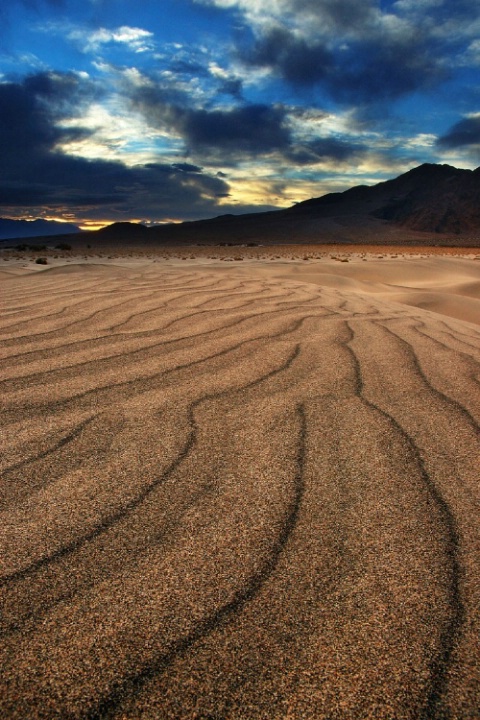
<point x="243" y="491"/>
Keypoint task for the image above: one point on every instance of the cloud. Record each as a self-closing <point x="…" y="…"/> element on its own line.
<point x="242" y="129"/>
<point x="187" y="167"/>
<point x="228" y="83"/>
<point x="246" y="129"/>
<point x="243" y="132"/>
<point x="464" y="134"/>
<point x="382" y="70"/>
<point x="26" y="126"/>
<point x="34" y="173"/>
<point x="332" y="16"/>
<point x="231" y="86"/>
<point x="311" y="17"/>
<point x="351" y="15"/>
<point x="471" y="56"/>
<point x="88" y="40"/>
<point x="290" y="56"/>
<point x="356" y="52"/>
<point x="323" y="149"/>
<point x="179" y="128"/>
<point x="364" y="69"/>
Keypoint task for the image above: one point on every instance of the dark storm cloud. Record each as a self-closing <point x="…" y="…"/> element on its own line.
<point x="28" y="111"/>
<point x="233" y="87"/>
<point x="25" y="125"/>
<point x="296" y="61"/>
<point x="362" y="70"/>
<point x="188" y="67"/>
<point x="353" y="50"/>
<point x="341" y="14"/>
<point x="239" y="133"/>
<point x="62" y="93"/>
<point x="243" y="129"/>
<point x="464" y="133"/>
<point x="251" y="129"/>
<point x="187" y="167"/>
<point x="321" y="150"/>
<point x="380" y="70"/>
<point x="34" y="173"/>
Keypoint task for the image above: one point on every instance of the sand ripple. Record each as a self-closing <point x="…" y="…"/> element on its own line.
<point x="230" y="495"/>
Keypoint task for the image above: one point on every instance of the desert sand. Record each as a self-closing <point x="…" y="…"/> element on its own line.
<point x="240" y="489"/>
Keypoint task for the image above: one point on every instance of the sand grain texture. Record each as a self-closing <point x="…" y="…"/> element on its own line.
<point x="241" y="492"/>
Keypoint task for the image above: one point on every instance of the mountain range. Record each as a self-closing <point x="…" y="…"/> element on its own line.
<point x="430" y="204"/>
<point x="13" y="229"/>
<point x="433" y="204"/>
<point x="429" y="198"/>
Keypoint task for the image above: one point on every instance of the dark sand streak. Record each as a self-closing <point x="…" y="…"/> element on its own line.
<point x="131" y="685"/>
<point x="72" y="370"/>
<point x="151" y="380"/>
<point x="454" y="404"/>
<point x="259" y="504"/>
<point x="439" y="665"/>
<point x="124" y="511"/>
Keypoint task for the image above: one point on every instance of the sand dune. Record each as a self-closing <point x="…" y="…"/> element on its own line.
<point x="244" y="490"/>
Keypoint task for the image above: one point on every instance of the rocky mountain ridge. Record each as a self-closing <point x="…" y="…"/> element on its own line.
<point x="438" y="199"/>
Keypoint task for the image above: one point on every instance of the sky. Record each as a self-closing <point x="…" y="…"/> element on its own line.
<point x="168" y="110"/>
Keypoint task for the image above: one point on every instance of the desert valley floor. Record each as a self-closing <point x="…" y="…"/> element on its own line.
<point x="240" y="489"/>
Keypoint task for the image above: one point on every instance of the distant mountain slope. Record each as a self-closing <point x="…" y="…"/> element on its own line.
<point x="436" y="199"/>
<point x="431" y="204"/>
<point x="429" y="198"/>
<point x="123" y="230"/>
<point x="11" y="229"/>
